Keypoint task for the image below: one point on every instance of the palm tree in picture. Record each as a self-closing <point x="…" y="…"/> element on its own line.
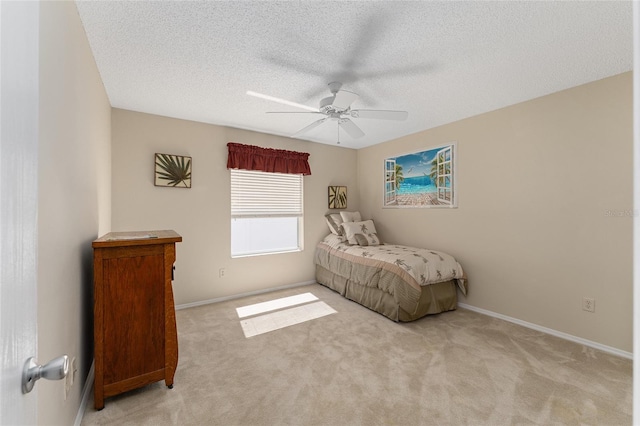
<point x="434" y="169"/>
<point x="399" y="176"/>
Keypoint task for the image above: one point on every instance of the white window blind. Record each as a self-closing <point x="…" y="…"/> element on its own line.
<point x="261" y="194"/>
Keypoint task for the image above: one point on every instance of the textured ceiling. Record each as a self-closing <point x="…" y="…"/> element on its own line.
<point x="440" y="61"/>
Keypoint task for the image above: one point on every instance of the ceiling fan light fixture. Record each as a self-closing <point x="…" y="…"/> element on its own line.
<point x="326" y="104"/>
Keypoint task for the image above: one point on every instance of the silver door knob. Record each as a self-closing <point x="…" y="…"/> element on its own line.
<point x="55" y="369"/>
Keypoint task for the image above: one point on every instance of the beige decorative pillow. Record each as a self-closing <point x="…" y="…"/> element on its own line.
<point x="361" y="233"/>
<point x="350" y="216"/>
<point x="334" y="221"/>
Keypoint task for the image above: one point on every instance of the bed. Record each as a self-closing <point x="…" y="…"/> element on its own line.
<point x="402" y="283"/>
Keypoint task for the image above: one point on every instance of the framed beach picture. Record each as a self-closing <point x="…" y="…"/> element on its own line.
<point x="421" y="179"/>
<point x="337" y="197"/>
<point x="172" y="170"/>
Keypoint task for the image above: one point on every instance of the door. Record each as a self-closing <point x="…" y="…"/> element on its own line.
<point x="19" y="32"/>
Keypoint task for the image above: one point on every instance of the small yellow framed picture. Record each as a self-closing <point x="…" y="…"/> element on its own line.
<point x="337" y="197"/>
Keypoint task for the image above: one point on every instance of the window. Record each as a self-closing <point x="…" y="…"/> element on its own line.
<point x="444" y="174"/>
<point x="390" y="186"/>
<point x="266" y="212"/>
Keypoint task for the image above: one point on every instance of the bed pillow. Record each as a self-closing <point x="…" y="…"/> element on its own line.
<point x="361" y="233"/>
<point x="350" y="216"/>
<point x="334" y="221"/>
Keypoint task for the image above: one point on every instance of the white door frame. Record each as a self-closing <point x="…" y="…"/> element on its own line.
<point x="636" y="218"/>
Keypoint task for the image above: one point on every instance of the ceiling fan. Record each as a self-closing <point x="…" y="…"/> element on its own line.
<point x="337" y="107"/>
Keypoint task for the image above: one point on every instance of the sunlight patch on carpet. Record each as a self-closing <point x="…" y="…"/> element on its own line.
<point x="272" y="305"/>
<point x="280" y="319"/>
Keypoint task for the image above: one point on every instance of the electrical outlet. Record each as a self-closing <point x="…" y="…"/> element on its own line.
<point x="588" y="304"/>
<point x="221" y="272"/>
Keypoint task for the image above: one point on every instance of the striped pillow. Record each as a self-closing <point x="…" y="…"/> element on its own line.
<point x="334" y="221"/>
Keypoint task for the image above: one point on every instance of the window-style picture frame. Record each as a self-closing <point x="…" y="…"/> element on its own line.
<point x="422" y="179"/>
<point x="172" y="171"/>
<point x="337" y="197"/>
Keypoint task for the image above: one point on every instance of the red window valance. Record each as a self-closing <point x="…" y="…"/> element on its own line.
<point x="250" y="157"/>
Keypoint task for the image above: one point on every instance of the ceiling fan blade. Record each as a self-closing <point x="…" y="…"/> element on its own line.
<point x="279" y="100"/>
<point x="293" y="112"/>
<point x="344" y="99"/>
<point x="351" y="128"/>
<point x="380" y="114"/>
<point x="310" y="127"/>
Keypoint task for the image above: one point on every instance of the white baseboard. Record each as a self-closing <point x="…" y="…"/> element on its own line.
<point x="238" y="296"/>
<point x="560" y="334"/>
<point x="86" y="392"/>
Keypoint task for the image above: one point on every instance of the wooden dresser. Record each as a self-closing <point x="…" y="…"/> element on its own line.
<point x="135" y="335"/>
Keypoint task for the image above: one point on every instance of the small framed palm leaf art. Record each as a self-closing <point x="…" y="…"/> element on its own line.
<point x="337" y="197"/>
<point x="173" y="170"/>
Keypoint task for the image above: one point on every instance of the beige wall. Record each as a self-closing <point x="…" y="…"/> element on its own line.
<point x="73" y="202"/>
<point x="541" y="188"/>
<point x="201" y="214"/>
<point x="536" y="184"/>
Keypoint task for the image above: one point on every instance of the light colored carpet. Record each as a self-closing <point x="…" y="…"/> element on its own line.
<point x="356" y="367"/>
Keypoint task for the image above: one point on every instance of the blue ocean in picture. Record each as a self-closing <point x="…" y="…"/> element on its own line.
<point x="416" y="185"/>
